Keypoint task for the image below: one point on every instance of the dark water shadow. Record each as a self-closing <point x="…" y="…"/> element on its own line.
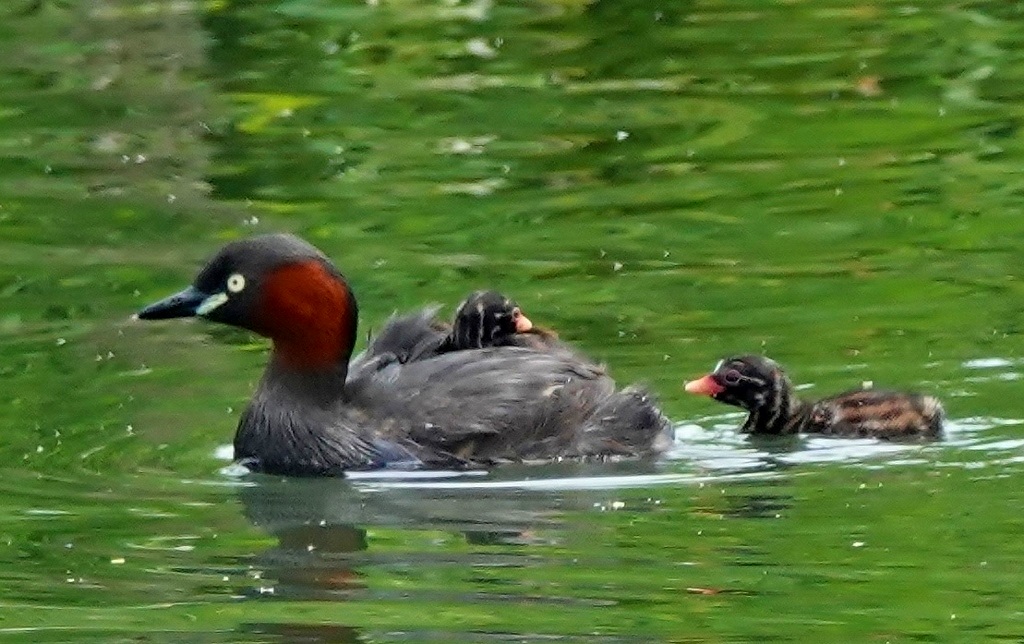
<point x="331" y="532"/>
<point x="302" y="633"/>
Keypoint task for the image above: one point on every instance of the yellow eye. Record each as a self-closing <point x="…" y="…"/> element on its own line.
<point x="236" y="283"/>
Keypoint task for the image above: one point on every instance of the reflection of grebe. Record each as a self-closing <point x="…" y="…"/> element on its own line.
<point x="316" y="552"/>
<point x="321" y="542"/>
<point x="339" y="540"/>
<point x="305" y="632"/>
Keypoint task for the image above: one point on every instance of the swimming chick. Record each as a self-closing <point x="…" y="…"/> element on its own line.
<point x="759" y="385"/>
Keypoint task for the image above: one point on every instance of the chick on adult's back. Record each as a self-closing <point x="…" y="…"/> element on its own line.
<point x="484" y="319"/>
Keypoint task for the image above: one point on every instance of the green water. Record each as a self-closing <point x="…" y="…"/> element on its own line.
<point x="836" y="184"/>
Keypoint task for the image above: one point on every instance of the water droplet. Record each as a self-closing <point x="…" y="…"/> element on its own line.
<point x="480" y="48"/>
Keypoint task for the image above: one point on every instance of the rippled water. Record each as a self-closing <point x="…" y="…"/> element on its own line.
<point x="835" y="184"/>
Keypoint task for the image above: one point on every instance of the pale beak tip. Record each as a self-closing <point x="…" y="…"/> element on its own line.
<point x="705" y="386"/>
<point x="523" y="324"/>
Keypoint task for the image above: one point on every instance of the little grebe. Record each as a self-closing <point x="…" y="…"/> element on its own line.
<point x="758" y="385"/>
<point x="461" y="408"/>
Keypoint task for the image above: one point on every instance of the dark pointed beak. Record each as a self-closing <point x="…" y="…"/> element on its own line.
<point x="706" y="386"/>
<point x="180" y="305"/>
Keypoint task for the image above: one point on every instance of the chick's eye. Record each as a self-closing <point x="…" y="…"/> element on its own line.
<point x="732" y="377"/>
<point x="236" y="283"/>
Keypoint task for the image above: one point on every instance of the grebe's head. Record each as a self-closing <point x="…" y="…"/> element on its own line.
<point x="278" y="286"/>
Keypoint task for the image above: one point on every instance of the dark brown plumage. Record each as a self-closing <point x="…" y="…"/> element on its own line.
<point x="489" y="319"/>
<point x="315" y="413"/>
<point x="484" y="319"/>
<point x="759" y="385"/>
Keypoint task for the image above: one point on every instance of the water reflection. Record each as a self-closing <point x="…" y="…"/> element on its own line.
<point x="303" y="633"/>
<point x="335" y="538"/>
<point x="330" y="532"/>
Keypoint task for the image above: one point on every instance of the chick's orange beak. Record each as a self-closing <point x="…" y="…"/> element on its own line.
<point x="523" y="323"/>
<point x="705" y="386"/>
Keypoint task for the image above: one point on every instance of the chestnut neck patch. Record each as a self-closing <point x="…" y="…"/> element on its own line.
<point x="310" y="314"/>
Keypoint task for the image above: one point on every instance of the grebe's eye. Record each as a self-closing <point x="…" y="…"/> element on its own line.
<point x="732" y="377"/>
<point x="236" y="283"/>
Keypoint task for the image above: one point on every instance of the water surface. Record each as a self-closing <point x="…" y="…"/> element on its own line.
<point x="834" y="184"/>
